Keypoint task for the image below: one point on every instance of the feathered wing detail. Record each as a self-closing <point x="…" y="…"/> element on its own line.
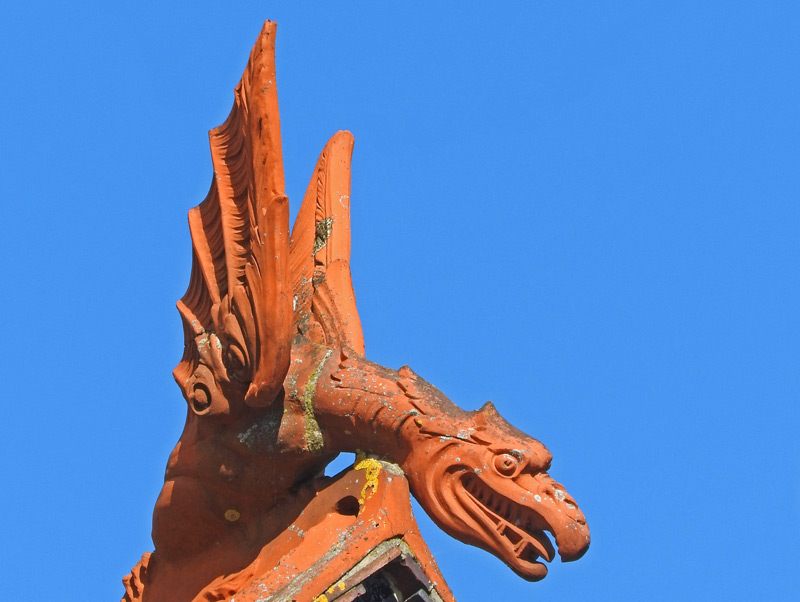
<point x="324" y="302"/>
<point x="240" y="232"/>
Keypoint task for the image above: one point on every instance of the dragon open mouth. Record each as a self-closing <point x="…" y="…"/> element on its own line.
<point x="520" y="528"/>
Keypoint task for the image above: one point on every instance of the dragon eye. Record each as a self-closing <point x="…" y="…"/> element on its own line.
<point x="505" y="464"/>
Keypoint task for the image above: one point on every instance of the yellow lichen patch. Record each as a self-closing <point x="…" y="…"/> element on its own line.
<point x="340" y="586"/>
<point x="232" y="515"/>
<point x="372" y="469"/>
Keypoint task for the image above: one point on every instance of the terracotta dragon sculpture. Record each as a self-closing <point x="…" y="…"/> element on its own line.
<point x="277" y="384"/>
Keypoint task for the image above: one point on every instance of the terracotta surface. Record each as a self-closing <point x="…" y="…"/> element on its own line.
<point x="277" y="385"/>
<point x="315" y="547"/>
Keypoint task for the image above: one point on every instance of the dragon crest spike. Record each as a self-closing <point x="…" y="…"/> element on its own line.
<point x="324" y="302"/>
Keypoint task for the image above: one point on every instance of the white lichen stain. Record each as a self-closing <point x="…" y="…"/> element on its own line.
<point x="465" y="434"/>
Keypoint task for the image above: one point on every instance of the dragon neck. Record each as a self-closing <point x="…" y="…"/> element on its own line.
<point x="361" y="406"/>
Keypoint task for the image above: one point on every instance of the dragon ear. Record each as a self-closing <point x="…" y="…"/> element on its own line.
<point x="486" y="414"/>
<point x="488" y="409"/>
<point x="240" y="232"/>
<point x="324" y="302"/>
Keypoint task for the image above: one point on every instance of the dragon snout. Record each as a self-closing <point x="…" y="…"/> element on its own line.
<point x="560" y="514"/>
<point x="516" y="517"/>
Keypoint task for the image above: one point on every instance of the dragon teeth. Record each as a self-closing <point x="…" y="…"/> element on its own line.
<point x="543" y="546"/>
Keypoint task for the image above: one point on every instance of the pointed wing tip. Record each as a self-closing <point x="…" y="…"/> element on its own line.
<point x="263" y="52"/>
<point x="259" y="73"/>
<point x="262" y="56"/>
<point x="268" y="29"/>
<point x="340" y="146"/>
<point x="342" y="137"/>
<point x="343" y="134"/>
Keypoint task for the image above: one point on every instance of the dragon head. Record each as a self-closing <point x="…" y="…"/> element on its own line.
<point x="487" y="484"/>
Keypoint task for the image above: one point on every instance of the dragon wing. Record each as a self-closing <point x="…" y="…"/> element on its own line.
<point x="239" y="287"/>
<point x="324" y="303"/>
<point x="250" y="285"/>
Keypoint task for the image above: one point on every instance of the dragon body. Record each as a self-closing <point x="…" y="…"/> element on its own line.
<point x="277" y="384"/>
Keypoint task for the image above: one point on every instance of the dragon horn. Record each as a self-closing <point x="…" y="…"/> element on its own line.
<point x="324" y="302"/>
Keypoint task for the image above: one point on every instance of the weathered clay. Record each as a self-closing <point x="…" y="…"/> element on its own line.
<point x="277" y="385"/>
<point x="328" y="527"/>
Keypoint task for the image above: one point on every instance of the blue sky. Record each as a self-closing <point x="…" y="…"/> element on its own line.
<point x="586" y="212"/>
